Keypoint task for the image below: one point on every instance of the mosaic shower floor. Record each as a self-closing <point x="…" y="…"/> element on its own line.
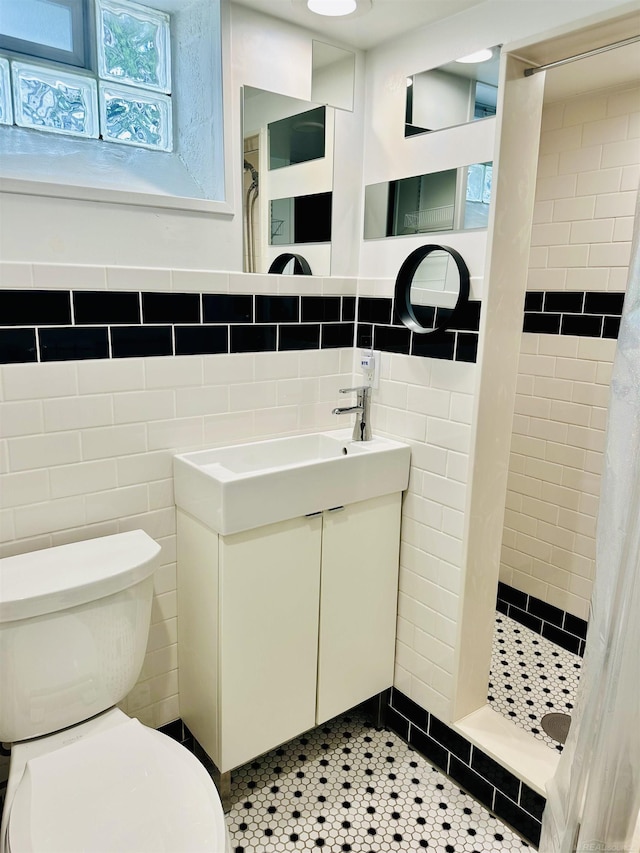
<point x="346" y="786"/>
<point x="530" y="677"/>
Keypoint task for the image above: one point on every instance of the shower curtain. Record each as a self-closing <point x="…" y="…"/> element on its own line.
<point x="593" y="801"/>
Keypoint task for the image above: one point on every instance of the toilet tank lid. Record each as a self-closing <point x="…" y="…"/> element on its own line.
<point x="68" y="575"/>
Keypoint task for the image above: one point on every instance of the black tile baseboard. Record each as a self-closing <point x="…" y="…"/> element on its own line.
<point x="592" y="314"/>
<point x="178" y="731"/>
<point x="562" y="628"/>
<point x="491" y="784"/>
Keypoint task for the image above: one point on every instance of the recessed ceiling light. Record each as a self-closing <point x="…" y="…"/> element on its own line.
<point x="333" y="8"/>
<point x="478" y="56"/>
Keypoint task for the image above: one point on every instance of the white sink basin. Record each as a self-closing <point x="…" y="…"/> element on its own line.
<point x="243" y="486"/>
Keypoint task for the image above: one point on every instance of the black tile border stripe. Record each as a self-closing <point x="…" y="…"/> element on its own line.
<point x="129" y="324"/>
<point x="562" y="628"/>
<point x="25" y="313"/>
<point x="492" y="785"/>
<point x="378" y="325"/>
<point x="59" y="325"/>
<point x="586" y="313"/>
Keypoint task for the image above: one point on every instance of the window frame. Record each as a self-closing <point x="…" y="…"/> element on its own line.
<point x="78" y="57"/>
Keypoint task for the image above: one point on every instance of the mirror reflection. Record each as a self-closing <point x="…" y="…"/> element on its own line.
<point x="287" y="168"/>
<point x="290" y="264"/>
<point x="432" y="288"/>
<point x="301" y="219"/>
<point x="288" y="148"/>
<point x="436" y="281"/>
<point x="333" y="75"/>
<point x="455" y="93"/>
<point x="451" y="200"/>
<point x="297" y="138"/>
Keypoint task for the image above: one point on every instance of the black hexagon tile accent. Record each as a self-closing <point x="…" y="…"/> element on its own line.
<point x="530" y="677"/>
<point x="347" y="786"/>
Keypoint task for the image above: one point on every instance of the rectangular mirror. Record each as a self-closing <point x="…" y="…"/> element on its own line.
<point x="451" y="200"/>
<point x="456" y="93"/>
<point x="332" y="75"/>
<point x="287" y="179"/>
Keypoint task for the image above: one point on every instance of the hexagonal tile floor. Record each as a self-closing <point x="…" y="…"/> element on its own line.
<point x="530" y="677"/>
<point x="347" y="786"/>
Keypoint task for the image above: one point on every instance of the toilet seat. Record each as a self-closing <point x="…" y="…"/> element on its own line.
<point x="128" y="789"/>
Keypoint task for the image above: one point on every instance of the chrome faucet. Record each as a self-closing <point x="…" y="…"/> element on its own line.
<point x="362" y="426"/>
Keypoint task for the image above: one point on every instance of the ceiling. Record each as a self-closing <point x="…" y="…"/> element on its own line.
<point x="388" y="19"/>
<point x="385" y="20"/>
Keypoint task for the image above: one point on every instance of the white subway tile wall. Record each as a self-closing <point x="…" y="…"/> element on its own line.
<point x="87" y="446"/>
<point x="428" y="402"/>
<point x="586" y="191"/>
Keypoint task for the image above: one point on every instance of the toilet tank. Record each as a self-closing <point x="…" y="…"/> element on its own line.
<point x="74" y="621"/>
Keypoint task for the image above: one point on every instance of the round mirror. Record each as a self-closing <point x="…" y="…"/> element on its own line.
<point x="432" y="288"/>
<point x="290" y="264"/>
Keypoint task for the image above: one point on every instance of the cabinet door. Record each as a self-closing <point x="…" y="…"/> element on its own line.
<point x="358" y="604"/>
<point x="269" y="590"/>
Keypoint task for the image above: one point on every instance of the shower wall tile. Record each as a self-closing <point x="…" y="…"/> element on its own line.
<point x="587" y="194"/>
<point x="551" y="622"/>
<point x="572" y="315"/>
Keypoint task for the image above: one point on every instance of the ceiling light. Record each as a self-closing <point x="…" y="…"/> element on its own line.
<point x="334" y="8"/>
<point x="478" y="56"/>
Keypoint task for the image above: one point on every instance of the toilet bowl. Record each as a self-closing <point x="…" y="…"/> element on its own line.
<point x="111" y="785"/>
<point x="83" y="775"/>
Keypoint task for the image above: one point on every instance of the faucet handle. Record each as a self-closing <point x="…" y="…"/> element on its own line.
<point x="358" y="388"/>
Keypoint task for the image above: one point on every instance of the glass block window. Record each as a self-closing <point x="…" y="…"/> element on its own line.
<point x="134" y="46"/>
<point x="124" y="100"/>
<point x="6" y="112"/>
<point x="55" y="102"/>
<point x="135" y="117"/>
<point x="479" y="182"/>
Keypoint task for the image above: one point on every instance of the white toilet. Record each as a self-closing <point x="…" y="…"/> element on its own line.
<point x="83" y="776"/>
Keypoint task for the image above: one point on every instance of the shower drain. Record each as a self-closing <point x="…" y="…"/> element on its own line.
<point x="556" y="726"/>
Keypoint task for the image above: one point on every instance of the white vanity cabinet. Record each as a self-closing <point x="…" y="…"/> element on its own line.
<point x="284" y="626"/>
